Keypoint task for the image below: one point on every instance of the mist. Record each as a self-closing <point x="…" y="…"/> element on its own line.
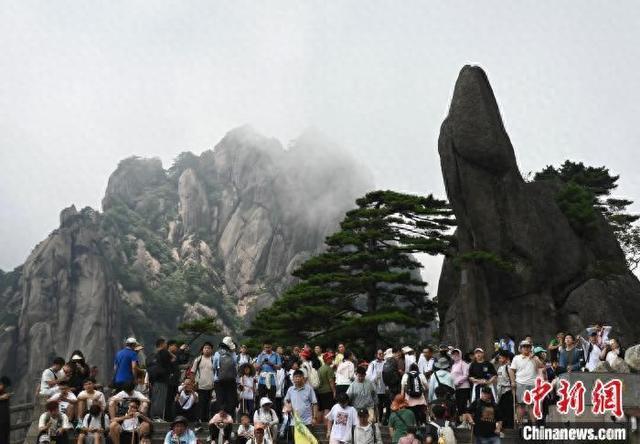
<point x="84" y="85"/>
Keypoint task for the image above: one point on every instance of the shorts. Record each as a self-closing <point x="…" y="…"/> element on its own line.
<point x="520" y="389"/>
<point x="325" y="401"/>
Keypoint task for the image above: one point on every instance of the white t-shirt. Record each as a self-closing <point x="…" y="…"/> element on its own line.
<point x="186" y="400"/>
<point x="248" y="387"/>
<point x="343" y="420"/>
<point x="94" y="422"/>
<point x="525" y="368"/>
<point x="64" y="404"/>
<point x="63" y="421"/>
<point x="124" y="395"/>
<point x="50" y="375"/>
<point x="96" y="396"/>
<point x="345" y="373"/>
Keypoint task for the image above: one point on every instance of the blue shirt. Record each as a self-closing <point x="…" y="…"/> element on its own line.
<point x="302" y="400"/>
<point x="122" y="363"/>
<point x="188" y="437"/>
<point x="267" y="362"/>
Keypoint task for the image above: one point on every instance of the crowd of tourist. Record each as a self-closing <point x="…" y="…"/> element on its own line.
<point x="420" y="395"/>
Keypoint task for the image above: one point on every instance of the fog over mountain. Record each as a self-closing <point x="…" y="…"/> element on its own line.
<point x="83" y="86"/>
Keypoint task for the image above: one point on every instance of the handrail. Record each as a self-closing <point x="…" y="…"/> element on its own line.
<point x="20" y="425"/>
<point x="21" y="407"/>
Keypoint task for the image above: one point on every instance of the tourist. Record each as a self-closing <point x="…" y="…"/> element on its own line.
<point x="441" y="376"/>
<point x="326" y="391"/>
<point x="53" y="425"/>
<point x="180" y="432"/>
<point x="409" y="356"/>
<point x="507" y="343"/>
<point x="125" y="364"/>
<point x="243" y="356"/>
<point x="89" y="396"/>
<point x="119" y="403"/>
<point x="187" y="401"/>
<point x="391" y="372"/>
<point x="130" y="427"/>
<point x="483" y="416"/>
<point x="345" y="373"/>
<point x="503" y="388"/>
<point x="374" y="374"/>
<point x="225" y="376"/>
<point x="460" y="376"/>
<point x="158" y="371"/>
<point x="591" y="350"/>
<point x="268" y="364"/>
<point x="202" y="371"/>
<point x="426" y="361"/>
<point x="571" y="357"/>
<point x="523" y="371"/>
<point x="245" y="430"/>
<point x="439" y="426"/>
<point x="482" y="373"/>
<point x="66" y="400"/>
<point x="362" y="393"/>
<point x="247" y="384"/>
<point x="339" y="355"/>
<point x="221" y="427"/>
<point x="267" y="416"/>
<point x="410" y="437"/>
<point x="401" y="418"/>
<point x="302" y="399"/>
<point x="612" y="351"/>
<point x="341" y="420"/>
<point x="366" y="431"/>
<point x="95" y="426"/>
<point x="51" y="377"/>
<point x="259" y="435"/>
<point x="602" y="333"/>
<point x="414" y="387"/>
<point x="79" y="371"/>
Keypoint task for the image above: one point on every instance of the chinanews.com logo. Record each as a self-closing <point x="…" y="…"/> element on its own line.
<point x="606" y="400"/>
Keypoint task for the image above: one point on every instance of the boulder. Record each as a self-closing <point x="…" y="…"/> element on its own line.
<point x="620" y="366"/>
<point x="515" y="248"/>
<point x="632" y="357"/>
<point x="603" y="367"/>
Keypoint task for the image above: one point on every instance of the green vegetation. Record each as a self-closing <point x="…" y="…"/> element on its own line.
<point x="366" y="282"/>
<point x="586" y="193"/>
<point x="483" y="257"/>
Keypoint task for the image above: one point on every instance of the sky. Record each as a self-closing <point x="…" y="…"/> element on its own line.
<point x="86" y="84"/>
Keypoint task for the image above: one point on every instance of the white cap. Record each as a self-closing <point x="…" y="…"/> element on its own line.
<point x="229" y="342"/>
<point x="406" y="349"/>
<point x="131" y="340"/>
<point x="264" y="401"/>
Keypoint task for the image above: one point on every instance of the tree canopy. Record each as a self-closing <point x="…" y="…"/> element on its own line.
<point x="367" y="281"/>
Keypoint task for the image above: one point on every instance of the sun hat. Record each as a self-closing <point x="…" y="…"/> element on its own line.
<point x="478" y="349"/>
<point x="442" y="363"/>
<point x="388" y="353"/>
<point x="264" y="401"/>
<point x="229" y="342"/>
<point x="406" y="349"/>
<point x="525" y="343"/>
<point x="398" y="403"/>
<point x="76" y="358"/>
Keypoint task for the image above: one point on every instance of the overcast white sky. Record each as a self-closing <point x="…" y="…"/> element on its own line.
<point x="84" y="84"/>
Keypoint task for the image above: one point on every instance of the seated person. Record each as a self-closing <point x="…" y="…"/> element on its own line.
<point x="53" y="425"/>
<point x="187" y="401"/>
<point x="245" y="430"/>
<point x="259" y="435"/>
<point x="180" y="432"/>
<point x="51" y="377"/>
<point x="118" y="403"/>
<point x="221" y="422"/>
<point x="95" y="426"/>
<point x="66" y="400"/>
<point x="89" y="396"/>
<point x="132" y="427"/>
<point x="267" y="416"/>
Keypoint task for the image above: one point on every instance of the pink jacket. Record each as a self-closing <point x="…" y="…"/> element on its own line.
<point x="460" y="374"/>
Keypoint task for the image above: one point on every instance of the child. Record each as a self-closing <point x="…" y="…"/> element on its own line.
<point x="95" y="426"/>
<point x="365" y="432"/>
<point x="340" y="420"/>
<point x="247" y="385"/>
<point x="245" y="430"/>
<point x="187" y="401"/>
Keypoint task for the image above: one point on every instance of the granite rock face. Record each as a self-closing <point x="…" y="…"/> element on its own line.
<point x="214" y="235"/>
<point x="518" y="266"/>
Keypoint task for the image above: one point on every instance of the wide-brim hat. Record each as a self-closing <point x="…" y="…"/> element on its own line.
<point x="442" y="363"/>
<point x="525" y="343"/>
<point x="180" y="420"/>
<point x="388" y="353"/>
<point x="264" y="401"/>
<point x="229" y="342"/>
<point x="399" y="403"/>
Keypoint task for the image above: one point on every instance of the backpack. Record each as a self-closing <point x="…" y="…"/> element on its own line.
<point x="445" y="433"/>
<point x="390" y="375"/>
<point x="312" y="376"/>
<point x="414" y="385"/>
<point x="226" y="366"/>
<point x="123" y="407"/>
<point x="451" y="392"/>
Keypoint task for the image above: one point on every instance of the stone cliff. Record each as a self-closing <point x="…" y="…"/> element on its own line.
<point x="214" y="235"/>
<point x="518" y="267"/>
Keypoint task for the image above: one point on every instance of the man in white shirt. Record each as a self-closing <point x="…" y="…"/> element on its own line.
<point x="592" y="350"/>
<point x="523" y="371"/>
<point x="374" y="374"/>
<point x="426" y="361"/>
<point x="602" y="334"/>
<point x="90" y="396"/>
<point x="124" y="427"/>
<point x="66" y="400"/>
<point x="51" y="377"/>
<point x="53" y="424"/>
<point x="127" y="393"/>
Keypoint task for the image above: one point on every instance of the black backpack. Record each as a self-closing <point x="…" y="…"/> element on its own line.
<point x="451" y="392"/>
<point x="226" y="366"/>
<point x="414" y="385"/>
<point x="390" y="375"/>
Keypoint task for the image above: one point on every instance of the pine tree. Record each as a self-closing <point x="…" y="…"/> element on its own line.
<point x="367" y="281"/>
